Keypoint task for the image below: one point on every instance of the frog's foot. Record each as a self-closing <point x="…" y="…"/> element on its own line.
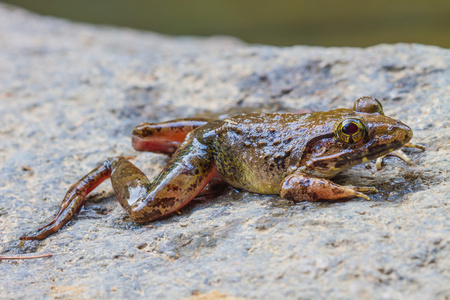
<point x="164" y="137"/>
<point x="73" y="201"/>
<point x="400" y="154"/>
<point x="301" y="187"/>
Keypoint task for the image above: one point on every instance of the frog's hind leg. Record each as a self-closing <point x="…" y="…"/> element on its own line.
<point x="73" y="201"/>
<point x="186" y="174"/>
<point x="164" y="137"/>
<point x="189" y="170"/>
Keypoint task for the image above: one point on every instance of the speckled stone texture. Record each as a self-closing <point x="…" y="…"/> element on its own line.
<point x="70" y="95"/>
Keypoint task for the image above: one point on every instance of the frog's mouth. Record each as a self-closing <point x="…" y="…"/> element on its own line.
<point x="371" y="153"/>
<point x="330" y="165"/>
<point x="380" y="150"/>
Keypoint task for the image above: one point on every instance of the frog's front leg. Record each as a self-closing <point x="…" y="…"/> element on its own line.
<point x="186" y="174"/>
<point x="301" y="187"/>
<point x="400" y="154"/>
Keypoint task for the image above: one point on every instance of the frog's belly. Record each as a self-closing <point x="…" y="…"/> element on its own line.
<point x="257" y="180"/>
<point x="256" y="187"/>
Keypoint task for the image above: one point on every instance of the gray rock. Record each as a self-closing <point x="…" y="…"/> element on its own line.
<point x="70" y="95"/>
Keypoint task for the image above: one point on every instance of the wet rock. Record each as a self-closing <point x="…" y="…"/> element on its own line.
<point x="70" y="95"/>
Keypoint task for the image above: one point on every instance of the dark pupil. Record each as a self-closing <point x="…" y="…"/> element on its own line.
<point x="350" y="128"/>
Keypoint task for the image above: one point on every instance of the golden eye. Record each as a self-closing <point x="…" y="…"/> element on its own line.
<point x="350" y="131"/>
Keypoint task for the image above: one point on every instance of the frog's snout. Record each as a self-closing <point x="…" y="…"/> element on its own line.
<point x="403" y="132"/>
<point x="409" y="134"/>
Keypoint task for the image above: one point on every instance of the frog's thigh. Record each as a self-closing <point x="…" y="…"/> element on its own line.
<point x="301" y="187"/>
<point x="186" y="174"/>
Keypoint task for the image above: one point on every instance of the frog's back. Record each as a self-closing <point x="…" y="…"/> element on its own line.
<point x="256" y="151"/>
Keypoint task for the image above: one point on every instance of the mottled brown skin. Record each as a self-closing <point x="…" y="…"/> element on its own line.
<point x="288" y="154"/>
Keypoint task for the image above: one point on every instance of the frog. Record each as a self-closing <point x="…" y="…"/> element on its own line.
<point x="291" y="155"/>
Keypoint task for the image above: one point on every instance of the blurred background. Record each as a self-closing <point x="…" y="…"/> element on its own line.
<point x="273" y="22"/>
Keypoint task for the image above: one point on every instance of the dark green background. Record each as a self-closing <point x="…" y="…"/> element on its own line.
<point x="276" y="22"/>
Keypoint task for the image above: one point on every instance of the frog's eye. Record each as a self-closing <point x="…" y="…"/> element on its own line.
<point x="350" y="131"/>
<point x="368" y="105"/>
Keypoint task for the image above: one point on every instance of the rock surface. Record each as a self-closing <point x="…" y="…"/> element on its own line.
<point x="70" y="95"/>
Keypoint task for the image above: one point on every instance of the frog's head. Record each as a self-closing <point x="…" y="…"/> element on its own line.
<point x="353" y="137"/>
